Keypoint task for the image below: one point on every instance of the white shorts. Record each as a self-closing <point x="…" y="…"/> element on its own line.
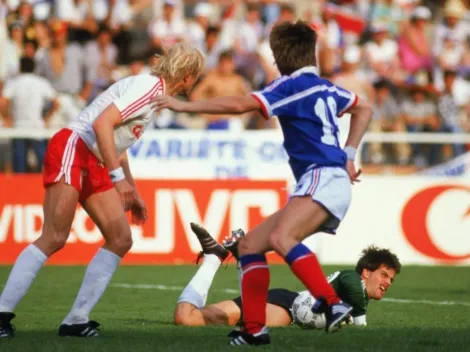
<point x="331" y="188"/>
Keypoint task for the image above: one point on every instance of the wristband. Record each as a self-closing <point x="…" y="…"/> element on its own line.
<point x="117" y="175"/>
<point x="350" y="152"/>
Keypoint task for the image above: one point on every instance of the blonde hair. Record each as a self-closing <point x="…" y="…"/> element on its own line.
<point x="179" y="61"/>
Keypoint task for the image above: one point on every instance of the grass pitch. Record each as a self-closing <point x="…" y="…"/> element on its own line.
<point x="426" y="309"/>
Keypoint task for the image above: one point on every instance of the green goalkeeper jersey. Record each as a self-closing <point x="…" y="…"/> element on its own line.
<point x="350" y="288"/>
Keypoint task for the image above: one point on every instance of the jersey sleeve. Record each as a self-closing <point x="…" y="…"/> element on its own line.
<point x="137" y="95"/>
<point x="348" y="286"/>
<point x="269" y="97"/>
<point x="345" y="99"/>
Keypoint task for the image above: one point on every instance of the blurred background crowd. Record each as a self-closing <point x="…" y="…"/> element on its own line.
<point x="409" y="58"/>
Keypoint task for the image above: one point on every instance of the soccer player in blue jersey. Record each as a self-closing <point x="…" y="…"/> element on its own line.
<point x="308" y="108"/>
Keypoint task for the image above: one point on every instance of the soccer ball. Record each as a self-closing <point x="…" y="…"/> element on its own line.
<point x="303" y="315"/>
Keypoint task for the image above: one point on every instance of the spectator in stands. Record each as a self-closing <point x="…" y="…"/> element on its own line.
<point x="30" y="48"/>
<point x="14" y="48"/>
<point x="101" y="54"/>
<point x="452" y="26"/>
<point x="169" y="29"/>
<point x="330" y="41"/>
<point x="389" y="12"/>
<point x="197" y="28"/>
<point x="382" y="55"/>
<point x="248" y="36"/>
<point x="420" y="115"/>
<point x="24" y="15"/>
<point x="386" y="118"/>
<point x="449" y="110"/>
<point x="415" y="52"/>
<point x="42" y="38"/>
<point x="26" y="95"/>
<point x="222" y="81"/>
<point x="78" y="15"/>
<point x="65" y="66"/>
<point x="351" y="77"/>
<point x="212" y="47"/>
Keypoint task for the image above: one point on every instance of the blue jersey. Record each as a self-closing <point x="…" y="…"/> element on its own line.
<point x="308" y="108"/>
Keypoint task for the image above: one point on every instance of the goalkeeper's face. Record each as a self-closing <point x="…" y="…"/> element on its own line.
<point x="377" y="282"/>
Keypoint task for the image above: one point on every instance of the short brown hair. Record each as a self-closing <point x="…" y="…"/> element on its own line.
<point x="293" y="46"/>
<point x="373" y="258"/>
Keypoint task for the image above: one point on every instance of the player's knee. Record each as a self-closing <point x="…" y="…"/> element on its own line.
<point x="120" y="243"/>
<point x="181" y="317"/>
<point x="52" y="242"/>
<point x="244" y="246"/>
<point x="277" y="241"/>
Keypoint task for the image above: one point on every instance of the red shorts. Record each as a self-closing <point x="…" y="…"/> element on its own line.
<point x="68" y="157"/>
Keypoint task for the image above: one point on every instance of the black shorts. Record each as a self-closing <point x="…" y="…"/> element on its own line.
<point x="279" y="297"/>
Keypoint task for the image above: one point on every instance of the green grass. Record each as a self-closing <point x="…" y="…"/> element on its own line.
<point x="141" y="319"/>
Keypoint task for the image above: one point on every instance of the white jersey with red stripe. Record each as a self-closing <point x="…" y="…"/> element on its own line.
<point x="131" y="96"/>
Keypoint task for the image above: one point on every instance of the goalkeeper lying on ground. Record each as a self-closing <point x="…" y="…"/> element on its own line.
<point x="373" y="275"/>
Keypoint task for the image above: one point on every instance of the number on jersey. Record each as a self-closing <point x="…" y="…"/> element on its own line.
<point x="330" y="126"/>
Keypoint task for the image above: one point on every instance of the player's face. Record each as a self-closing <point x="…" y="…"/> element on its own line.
<point x="188" y="84"/>
<point x="377" y="282"/>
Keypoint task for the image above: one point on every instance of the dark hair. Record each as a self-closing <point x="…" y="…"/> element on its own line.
<point x="33" y="42"/>
<point x="226" y="55"/>
<point x="27" y="65"/>
<point x="381" y="84"/>
<point x="212" y="30"/>
<point x="293" y="46"/>
<point x="286" y="8"/>
<point x="450" y="73"/>
<point x="373" y="257"/>
<point x="103" y="28"/>
<point x="252" y="7"/>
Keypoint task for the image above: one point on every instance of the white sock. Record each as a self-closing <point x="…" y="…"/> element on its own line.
<point x="26" y="267"/>
<point x="198" y="288"/>
<point x="97" y="277"/>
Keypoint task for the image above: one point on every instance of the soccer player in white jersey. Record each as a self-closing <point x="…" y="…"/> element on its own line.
<point x="86" y="162"/>
<point x="308" y="107"/>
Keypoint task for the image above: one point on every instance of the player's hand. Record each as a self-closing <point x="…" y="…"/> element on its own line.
<point x="353" y="174"/>
<point x="127" y="193"/>
<point x="139" y="211"/>
<point x="160" y="102"/>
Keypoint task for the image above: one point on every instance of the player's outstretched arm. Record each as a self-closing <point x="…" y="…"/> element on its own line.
<point x="219" y="105"/>
<point x="361" y="114"/>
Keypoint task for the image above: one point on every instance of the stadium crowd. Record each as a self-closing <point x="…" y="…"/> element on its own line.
<point x="409" y="58"/>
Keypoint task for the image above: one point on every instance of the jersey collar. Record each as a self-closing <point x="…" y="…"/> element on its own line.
<point x="306" y="69"/>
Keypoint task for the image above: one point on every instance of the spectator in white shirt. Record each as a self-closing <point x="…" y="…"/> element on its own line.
<point x="26" y="96"/>
<point x="14" y="48"/>
<point x="452" y="26"/>
<point x="198" y="27"/>
<point x="382" y="55"/>
<point x="169" y="29"/>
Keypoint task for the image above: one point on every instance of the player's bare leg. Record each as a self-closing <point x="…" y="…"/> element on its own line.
<point x="213" y="254"/>
<point x="106" y="211"/>
<point x="225" y="313"/>
<point x="300" y="218"/>
<point x="60" y="204"/>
